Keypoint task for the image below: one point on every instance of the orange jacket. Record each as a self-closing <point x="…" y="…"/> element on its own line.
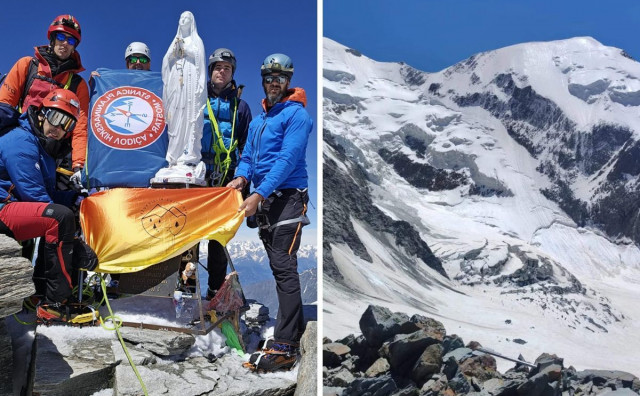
<point x="13" y="87"/>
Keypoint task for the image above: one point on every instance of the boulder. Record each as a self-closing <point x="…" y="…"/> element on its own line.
<point x="378" y="324"/>
<point x="437" y="385"/>
<point x="482" y="367"/>
<point x="308" y="366"/>
<point x="384" y="385"/>
<point x="460" y="384"/>
<point x="198" y="376"/>
<point x="546" y="360"/>
<point x="256" y="316"/>
<point x="16" y="277"/>
<point x="72" y="361"/>
<point x="333" y="354"/>
<point x="600" y="377"/>
<point x="160" y="342"/>
<point x="432" y="326"/>
<point x="403" y="351"/>
<point x="139" y="356"/>
<point x="339" y="377"/>
<point x="450" y="367"/>
<point x="459" y="354"/>
<point x="360" y="348"/>
<point x="428" y="364"/>
<point x="451" y="342"/>
<point x="6" y="360"/>
<point x="537" y="385"/>
<point x="378" y="368"/>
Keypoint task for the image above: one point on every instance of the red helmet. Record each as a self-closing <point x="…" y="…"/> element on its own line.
<point x="66" y="24"/>
<point x="64" y="100"/>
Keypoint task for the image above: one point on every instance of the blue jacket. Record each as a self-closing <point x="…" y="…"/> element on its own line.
<point x="274" y="156"/>
<point x="27" y="171"/>
<point x="223" y="106"/>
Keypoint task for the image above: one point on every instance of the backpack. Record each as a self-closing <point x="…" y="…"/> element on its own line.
<point x="71" y="84"/>
<point x="8" y="115"/>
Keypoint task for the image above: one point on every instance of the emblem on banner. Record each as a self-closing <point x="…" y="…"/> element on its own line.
<point x="128" y="118"/>
<point x="162" y="221"/>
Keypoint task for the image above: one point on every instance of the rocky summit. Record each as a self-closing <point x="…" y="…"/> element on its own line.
<point x="414" y="356"/>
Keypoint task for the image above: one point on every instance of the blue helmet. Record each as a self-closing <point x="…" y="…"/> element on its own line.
<point x="277" y="63"/>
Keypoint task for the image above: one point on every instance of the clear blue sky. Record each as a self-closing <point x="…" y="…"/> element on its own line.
<point x="431" y="35"/>
<point x="253" y="29"/>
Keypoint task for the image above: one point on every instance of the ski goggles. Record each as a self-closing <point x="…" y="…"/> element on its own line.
<point x="60" y="119"/>
<point x="69" y="39"/>
<point x="269" y="79"/>
<point x="135" y="59"/>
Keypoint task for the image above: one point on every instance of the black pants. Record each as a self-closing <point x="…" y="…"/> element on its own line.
<point x="216" y="256"/>
<point x="56" y="225"/>
<point x="216" y="265"/>
<point x="282" y="243"/>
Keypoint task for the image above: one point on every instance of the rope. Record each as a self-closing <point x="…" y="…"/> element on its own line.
<point x="217" y="142"/>
<point x="117" y="323"/>
<point x="22" y="322"/>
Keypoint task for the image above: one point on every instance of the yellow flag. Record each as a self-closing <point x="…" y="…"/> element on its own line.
<point x="131" y="229"/>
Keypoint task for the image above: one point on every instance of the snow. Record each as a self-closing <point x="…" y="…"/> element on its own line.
<point x="591" y="84"/>
<point x="137" y="309"/>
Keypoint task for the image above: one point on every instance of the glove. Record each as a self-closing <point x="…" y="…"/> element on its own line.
<point x="79" y="198"/>
<point x="76" y="179"/>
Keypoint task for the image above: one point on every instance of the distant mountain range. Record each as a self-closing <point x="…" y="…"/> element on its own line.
<point x="252" y="264"/>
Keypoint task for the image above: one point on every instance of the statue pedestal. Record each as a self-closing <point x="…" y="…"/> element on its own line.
<point x="181" y="174"/>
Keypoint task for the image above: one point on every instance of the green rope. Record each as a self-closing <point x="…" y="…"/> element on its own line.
<point x="218" y="143"/>
<point x="117" y="323"/>
<point x="22" y="322"/>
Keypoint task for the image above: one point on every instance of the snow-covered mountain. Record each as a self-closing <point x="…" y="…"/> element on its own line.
<point x="265" y="291"/>
<point x="251" y="261"/>
<point x="499" y="196"/>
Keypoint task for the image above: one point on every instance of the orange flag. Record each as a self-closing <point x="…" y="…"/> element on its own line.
<point x="131" y="229"/>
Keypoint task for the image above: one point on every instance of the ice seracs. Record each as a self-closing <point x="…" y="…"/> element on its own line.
<point x="515" y="166"/>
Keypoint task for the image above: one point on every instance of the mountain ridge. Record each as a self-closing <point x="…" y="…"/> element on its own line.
<point x="512" y="184"/>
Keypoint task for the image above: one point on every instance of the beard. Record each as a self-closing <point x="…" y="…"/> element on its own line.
<point x="273" y="99"/>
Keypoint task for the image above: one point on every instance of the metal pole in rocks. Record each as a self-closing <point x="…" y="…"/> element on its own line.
<point x="505" y="357"/>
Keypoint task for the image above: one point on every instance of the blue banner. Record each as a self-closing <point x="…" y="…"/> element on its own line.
<point x="127" y="138"/>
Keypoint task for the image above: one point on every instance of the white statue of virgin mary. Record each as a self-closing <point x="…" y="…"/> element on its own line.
<point x="184" y="96"/>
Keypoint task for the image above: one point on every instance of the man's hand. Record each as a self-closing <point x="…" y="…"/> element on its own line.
<point x="238" y="183"/>
<point x="250" y="205"/>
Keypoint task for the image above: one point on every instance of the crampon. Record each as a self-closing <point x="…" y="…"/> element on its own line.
<point x="69" y="314"/>
<point x="275" y="356"/>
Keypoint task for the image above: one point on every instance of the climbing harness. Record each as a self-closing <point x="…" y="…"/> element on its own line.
<point x="217" y="143"/>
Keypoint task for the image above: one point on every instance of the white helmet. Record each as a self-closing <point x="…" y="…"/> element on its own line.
<point x="137" y="48"/>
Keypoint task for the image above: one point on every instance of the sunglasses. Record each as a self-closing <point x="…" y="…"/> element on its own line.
<point x="270" y="79"/>
<point x="69" y="39"/>
<point x="136" y="59"/>
<point x="60" y="119"/>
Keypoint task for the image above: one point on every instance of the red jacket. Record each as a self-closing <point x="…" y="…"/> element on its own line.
<point x="13" y="88"/>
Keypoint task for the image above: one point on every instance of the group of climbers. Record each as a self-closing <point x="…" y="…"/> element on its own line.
<point x="44" y="104"/>
<point x="49" y="101"/>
